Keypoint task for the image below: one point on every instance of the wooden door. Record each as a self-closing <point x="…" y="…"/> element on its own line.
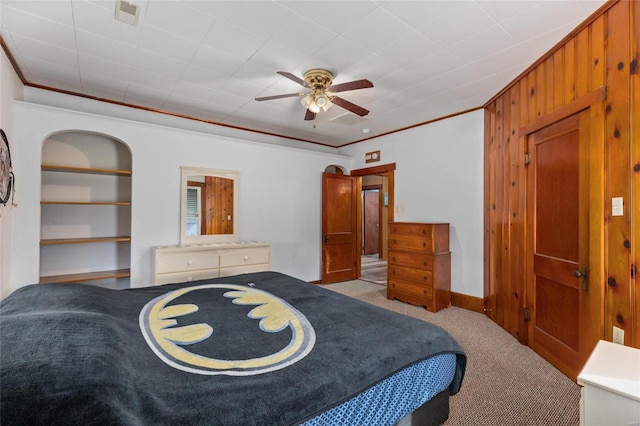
<point x="371" y="221"/>
<point x="563" y="326"/>
<point x="340" y="228"/>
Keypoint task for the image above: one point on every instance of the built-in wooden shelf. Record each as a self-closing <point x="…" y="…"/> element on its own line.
<point x="96" y="173"/>
<point x="68" y="169"/>
<point x="85" y="240"/>
<point x="89" y="203"/>
<point x="89" y="276"/>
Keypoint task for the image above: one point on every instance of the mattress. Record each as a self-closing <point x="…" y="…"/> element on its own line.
<point x="401" y="394"/>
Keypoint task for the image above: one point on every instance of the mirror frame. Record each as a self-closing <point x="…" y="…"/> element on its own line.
<point x="185" y="172"/>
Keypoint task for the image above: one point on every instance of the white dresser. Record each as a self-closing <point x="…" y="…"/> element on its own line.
<point x="172" y="264"/>
<point x="610" y="383"/>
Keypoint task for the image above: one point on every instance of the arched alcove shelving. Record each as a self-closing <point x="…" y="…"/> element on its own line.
<point x="85" y="222"/>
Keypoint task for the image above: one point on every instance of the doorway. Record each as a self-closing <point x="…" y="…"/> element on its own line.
<point x="372" y="205"/>
<point x="563" y="289"/>
<point x="377" y="211"/>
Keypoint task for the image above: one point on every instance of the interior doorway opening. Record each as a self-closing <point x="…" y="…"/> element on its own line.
<point x="377" y="211"/>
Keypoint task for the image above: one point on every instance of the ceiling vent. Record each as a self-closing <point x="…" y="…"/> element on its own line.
<point x="127" y="12"/>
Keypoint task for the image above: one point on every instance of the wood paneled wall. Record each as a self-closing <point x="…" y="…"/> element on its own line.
<point x="602" y="52"/>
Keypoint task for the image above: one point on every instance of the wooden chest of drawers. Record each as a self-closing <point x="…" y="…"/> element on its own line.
<point x="197" y="262"/>
<point x="419" y="264"/>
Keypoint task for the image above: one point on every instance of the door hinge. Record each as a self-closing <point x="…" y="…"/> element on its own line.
<point x="527" y="158"/>
<point x="527" y="314"/>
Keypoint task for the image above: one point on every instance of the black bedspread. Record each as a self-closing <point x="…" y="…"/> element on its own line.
<point x="211" y="353"/>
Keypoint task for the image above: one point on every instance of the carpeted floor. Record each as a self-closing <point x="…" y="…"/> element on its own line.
<point x="506" y="383"/>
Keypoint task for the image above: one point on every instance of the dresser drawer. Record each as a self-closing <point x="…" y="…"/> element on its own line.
<point x="179" y="277"/>
<point x="185" y="261"/>
<point x="421" y="276"/>
<point x="412" y="260"/>
<point x="424" y="294"/>
<point x="407" y="242"/>
<point x="249" y="256"/>
<point x="410" y="229"/>
<point x="246" y="269"/>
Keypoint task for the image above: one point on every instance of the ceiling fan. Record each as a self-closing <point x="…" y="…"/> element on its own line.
<point x="321" y="96"/>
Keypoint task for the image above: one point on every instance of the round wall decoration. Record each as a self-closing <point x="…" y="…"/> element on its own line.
<point x="6" y="174"/>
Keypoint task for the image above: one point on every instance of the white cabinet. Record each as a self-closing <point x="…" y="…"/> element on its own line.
<point x="610" y="383"/>
<point x="174" y="264"/>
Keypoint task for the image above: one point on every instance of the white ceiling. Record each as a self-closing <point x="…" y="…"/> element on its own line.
<point x="210" y="59"/>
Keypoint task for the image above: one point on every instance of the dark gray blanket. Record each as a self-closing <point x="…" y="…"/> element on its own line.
<point x="80" y="354"/>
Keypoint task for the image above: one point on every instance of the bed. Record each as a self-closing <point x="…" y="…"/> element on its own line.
<point x="253" y="349"/>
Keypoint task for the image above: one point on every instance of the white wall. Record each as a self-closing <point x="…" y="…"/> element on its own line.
<point x="439" y="178"/>
<point x="10" y="88"/>
<point x="280" y="189"/>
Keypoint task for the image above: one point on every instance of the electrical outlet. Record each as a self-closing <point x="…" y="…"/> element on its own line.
<point x="618" y="335"/>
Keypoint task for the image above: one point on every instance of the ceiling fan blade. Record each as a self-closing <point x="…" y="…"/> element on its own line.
<point x="310" y="115"/>
<point x="293" y="77"/>
<point x="351" y="85"/>
<point x="358" y="110"/>
<point x="288" y="95"/>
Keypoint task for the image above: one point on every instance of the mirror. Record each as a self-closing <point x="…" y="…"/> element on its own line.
<point x="209" y="206"/>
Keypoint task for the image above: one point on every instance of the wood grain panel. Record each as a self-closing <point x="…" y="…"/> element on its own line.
<point x="489" y="219"/>
<point x="558" y="80"/>
<point x="634" y="130"/>
<point x="617" y="301"/>
<point x="582" y="64"/>
<point x="596" y="31"/>
<point x="549" y="73"/>
<point x="499" y="207"/>
<point x="570" y="65"/>
<point x="516" y="288"/>
<point x="533" y="88"/>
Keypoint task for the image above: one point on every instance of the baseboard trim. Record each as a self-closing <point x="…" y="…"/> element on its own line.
<point x="465" y="301"/>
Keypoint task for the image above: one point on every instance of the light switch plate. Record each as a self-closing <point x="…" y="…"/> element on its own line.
<point x="617" y="206"/>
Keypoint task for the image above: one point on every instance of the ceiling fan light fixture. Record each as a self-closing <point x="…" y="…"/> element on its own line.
<point x="316" y="103"/>
<point x="309" y="103"/>
<point x="321" y="100"/>
<point x="321" y="92"/>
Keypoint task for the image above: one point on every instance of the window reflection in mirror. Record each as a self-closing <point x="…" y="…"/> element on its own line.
<point x="209" y="206"/>
<point x="193" y="210"/>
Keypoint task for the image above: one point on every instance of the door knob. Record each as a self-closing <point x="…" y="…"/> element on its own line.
<point x="582" y="274"/>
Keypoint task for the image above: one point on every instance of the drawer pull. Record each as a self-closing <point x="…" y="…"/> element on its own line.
<point x="189" y="278"/>
<point x="189" y="262"/>
<point x="246" y="258"/>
